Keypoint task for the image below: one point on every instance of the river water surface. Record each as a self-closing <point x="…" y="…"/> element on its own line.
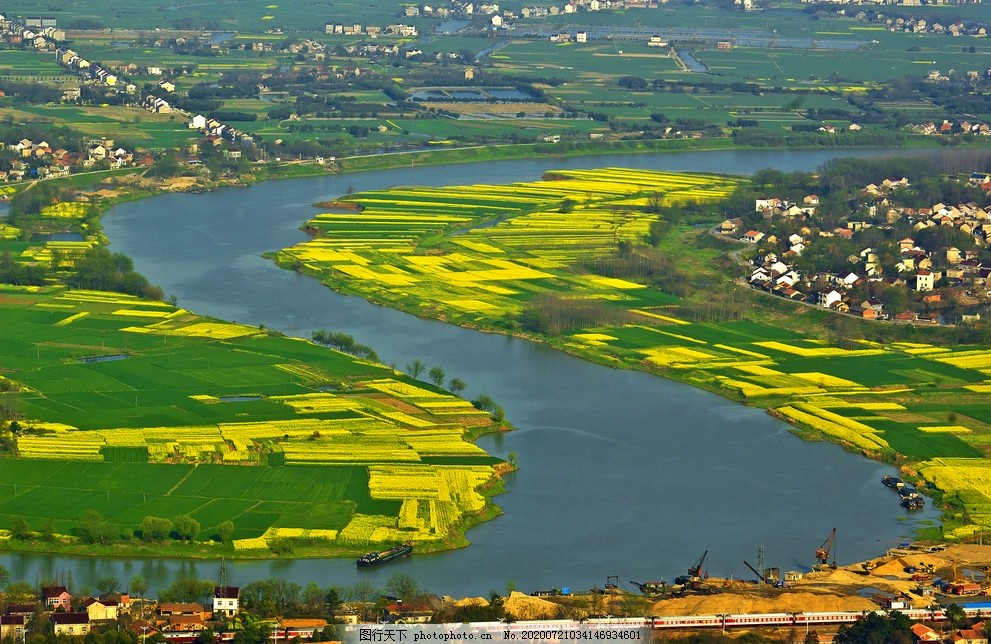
<point x="621" y="473"/>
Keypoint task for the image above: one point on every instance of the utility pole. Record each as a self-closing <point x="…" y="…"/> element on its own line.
<point x="762" y="567"/>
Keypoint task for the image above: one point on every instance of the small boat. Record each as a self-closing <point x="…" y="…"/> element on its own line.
<point x="892" y="481"/>
<point x="913" y="502"/>
<point x="376" y="558"/>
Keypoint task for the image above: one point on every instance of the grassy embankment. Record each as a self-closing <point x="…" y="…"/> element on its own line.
<point x="134" y="408"/>
<point x="546" y="272"/>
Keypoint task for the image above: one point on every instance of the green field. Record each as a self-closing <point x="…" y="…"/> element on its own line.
<point x="532" y="272"/>
<point x="135" y="408"/>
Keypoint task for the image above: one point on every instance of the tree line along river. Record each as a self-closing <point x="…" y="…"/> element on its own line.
<point x="621" y="473"/>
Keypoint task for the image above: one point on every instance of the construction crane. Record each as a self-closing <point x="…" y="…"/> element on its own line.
<point x="695" y="573"/>
<point x="754" y="570"/>
<point x="823" y="551"/>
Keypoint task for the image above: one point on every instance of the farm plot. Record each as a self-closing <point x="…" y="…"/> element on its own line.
<point x="115" y="390"/>
<point x="475" y="273"/>
<point x="472" y="274"/>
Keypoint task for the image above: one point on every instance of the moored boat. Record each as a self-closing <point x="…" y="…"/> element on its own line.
<point x="915" y="502"/>
<point x="376" y="558"/>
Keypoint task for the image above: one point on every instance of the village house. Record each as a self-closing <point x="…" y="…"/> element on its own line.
<point x="402" y="613"/>
<point x="924" y="633"/>
<point x="167" y="609"/>
<point x="830" y="298"/>
<point x="73" y="624"/>
<point x="12" y="627"/>
<point x="973" y="635"/>
<point x="225" y="600"/>
<point x="753" y="236"/>
<point x="56" y="598"/>
<point x="99" y="610"/>
<point x="924" y="281"/>
<point x="730" y="226"/>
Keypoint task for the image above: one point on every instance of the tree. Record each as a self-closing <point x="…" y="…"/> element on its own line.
<point x="333" y="598"/>
<point x="20" y="590"/>
<point x="403" y="586"/>
<point x="4" y="576"/>
<point x="955" y="615"/>
<point x="47" y="530"/>
<point x="187" y="590"/>
<point x="93" y="528"/>
<point x="269" y="597"/>
<point x="155" y="528"/>
<point x="313" y="598"/>
<point x="107" y="585"/>
<point x="19" y="529"/>
<point x="415" y="368"/>
<point x="877" y="629"/>
<point x="138" y="586"/>
<point x="456" y="385"/>
<point x="225" y="530"/>
<point x="437" y="375"/>
<point x="186" y="527"/>
<point x="484" y="403"/>
<point x="362" y="593"/>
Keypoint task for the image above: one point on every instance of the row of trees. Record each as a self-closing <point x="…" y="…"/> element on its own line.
<point x="344" y="343"/>
<point x="455" y="385"/>
<point x="93" y="528"/>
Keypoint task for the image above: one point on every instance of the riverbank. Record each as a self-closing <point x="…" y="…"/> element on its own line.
<point x="277" y="447"/>
<point x="586" y="433"/>
<point x="906" y="402"/>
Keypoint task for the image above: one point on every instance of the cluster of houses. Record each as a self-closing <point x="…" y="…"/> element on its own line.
<point x="37" y="159"/>
<point x="917" y="24"/>
<point x="88" y="70"/>
<point x="951" y="128"/>
<point x="217" y="132"/>
<point x="76" y="617"/>
<point x="178" y="623"/>
<point x="976" y="634"/>
<point x="904" y="3"/>
<point x="157" y="104"/>
<point x="913" y="25"/>
<point x="501" y="16"/>
<point x="357" y="29"/>
<point x="972" y="75"/>
<point x="41" y="34"/>
<point x="917" y="269"/>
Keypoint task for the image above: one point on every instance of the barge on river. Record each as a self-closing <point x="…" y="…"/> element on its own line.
<point x="377" y="558"/>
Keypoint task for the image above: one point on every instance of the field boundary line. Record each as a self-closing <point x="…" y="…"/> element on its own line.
<point x="182" y="480"/>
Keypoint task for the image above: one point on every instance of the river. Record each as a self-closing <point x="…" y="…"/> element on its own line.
<point x="621" y="473"/>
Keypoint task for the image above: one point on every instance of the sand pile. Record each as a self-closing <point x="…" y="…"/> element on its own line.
<point x="848" y="582"/>
<point x="472" y="601"/>
<point x="521" y="606"/>
<point x="896" y="567"/>
<point x="969" y="554"/>
<point x="751" y="603"/>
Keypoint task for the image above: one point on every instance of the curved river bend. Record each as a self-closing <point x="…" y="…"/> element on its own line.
<point x="621" y="473"/>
